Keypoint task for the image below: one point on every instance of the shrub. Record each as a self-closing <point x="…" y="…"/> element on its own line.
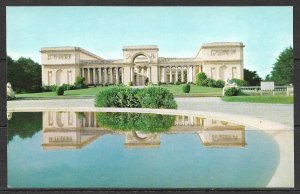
<point x="149" y="123"/>
<point x="146" y="81"/>
<point x="53" y="88"/>
<point x="117" y="96"/>
<point x="105" y="84"/>
<point x="159" y="83"/>
<point x="200" y="77"/>
<point x="177" y="83"/>
<point x="186" y="88"/>
<point x="130" y="83"/>
<point x="240" y="82"/>
<point x="210" y="82"/>
<point x="60" y="91"/>
<point x="150" y="97"/>
<point x="219" y="84"/>
<point x="46" y="88"/>
<point x="232" y="91"/>
<point x="156" y="97"/>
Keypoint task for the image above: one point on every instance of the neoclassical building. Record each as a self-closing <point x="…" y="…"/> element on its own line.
<point x="220" y="60"/>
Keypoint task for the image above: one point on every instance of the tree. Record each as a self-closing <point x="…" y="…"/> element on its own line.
<point x="252" y="77"/>
<point x="24" y="74"/>
<point x="283" y="69"/>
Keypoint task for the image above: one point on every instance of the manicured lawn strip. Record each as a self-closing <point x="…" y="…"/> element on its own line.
<point x="92" y="91"/>
<point x="177" y="89"/>
<point x="260" y="99"/>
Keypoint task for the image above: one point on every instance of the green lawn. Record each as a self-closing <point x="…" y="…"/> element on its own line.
<point x="260" y="99"/>
<point x="92" y="91"/>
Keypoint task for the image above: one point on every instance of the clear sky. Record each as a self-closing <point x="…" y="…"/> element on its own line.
<point x="177" y="31"/>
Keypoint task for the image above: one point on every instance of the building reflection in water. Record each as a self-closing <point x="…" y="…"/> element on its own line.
<point x="70" y="130"/>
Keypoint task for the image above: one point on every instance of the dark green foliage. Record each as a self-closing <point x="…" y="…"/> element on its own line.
<point x="200" y="77"/>
<point x="177" y="83"/>
<point x="150" y="97"/>
<point x="252" y="77"/>
<point x="159" y="83"/>
<point x="130" y="83"/>
<point x="232" y="91"/>
<point x="25" y="125"/>
<point x="135" y="122"/>
<point x="60" y="91"/>
<point x="117" y="96"/>
<point x="219" y="84"/>
<point x="210" y="82"/>
<point x="156" y="97"/>
<point x="186" y="88"/>
<point x="24" y="75"/>
<point x="79" y="83"/>
<point x="240" y="82"/>
<point x="283" y="69"/>
<point x="146" y="81"/>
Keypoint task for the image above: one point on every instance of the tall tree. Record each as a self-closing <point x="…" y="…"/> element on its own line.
<point x="24" y="74"/>
<point x="283" y="69"/>
<point x="252" y="77"/>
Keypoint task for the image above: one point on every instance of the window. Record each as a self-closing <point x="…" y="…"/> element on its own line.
<point x="213" y="73"/>
<point x="69" y="77"/>
<point x="49" y="78"/>
<point x="234" y="73"/>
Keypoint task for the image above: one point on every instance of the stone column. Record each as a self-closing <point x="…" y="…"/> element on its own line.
<point x="105" y="75"/>
<point x="171" y="80"/>
<point x="117" y="75"/>
<point x="94" y="75"/>
<point x="99" y="75"/>
<point x="122" y="70"/>
<point x="131" y="74"/>
<point x="82" y="72"/>
<point x="143" y="76"/>
<point x="148" y="73"/>
<point x="182" y="74"/>
<point x="176" y="74"/>
<point x="163" y="74"/>
<point x="89" y="76"/>
<point x="111" y="75"/>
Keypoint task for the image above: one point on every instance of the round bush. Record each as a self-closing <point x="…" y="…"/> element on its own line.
<point x="60" y="91"/>
<point x="232" y="91"/>
<point x="219" y="84"/>
<point x="200" y="77"/>
<point x="130" y="83"/>
<point x="177" y="83"/>
<point x="186" y="88"/>
<point x="210" y="82"/>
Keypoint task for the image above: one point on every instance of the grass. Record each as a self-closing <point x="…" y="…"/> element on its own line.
<point x="260" y="99"/>
<point x="92" y="91"/>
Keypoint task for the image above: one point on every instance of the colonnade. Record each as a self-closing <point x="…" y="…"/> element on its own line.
<point x="139" y="73"/>
<point x="109" y="75"/>
<point x="182" y="73"/>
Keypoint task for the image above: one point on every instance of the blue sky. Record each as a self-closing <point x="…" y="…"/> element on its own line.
<point x="177" y="31"/>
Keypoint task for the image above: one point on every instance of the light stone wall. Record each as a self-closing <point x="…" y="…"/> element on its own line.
<point x="217" y="60"/>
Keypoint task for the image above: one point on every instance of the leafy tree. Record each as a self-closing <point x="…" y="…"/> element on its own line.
<point x="252" y="77"/>
<point x="200" y="77"/>
<point x="283" y="69"/>
<point x="24" y="74"/>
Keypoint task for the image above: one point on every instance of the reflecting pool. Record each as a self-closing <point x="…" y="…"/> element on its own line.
<point x="135" y="150"/>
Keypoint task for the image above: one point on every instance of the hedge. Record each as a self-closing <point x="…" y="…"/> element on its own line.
<point x="122" y="96"/>
<point x="135" y="121"/>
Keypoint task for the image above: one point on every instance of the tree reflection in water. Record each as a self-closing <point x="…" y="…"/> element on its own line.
<point x="151" y="123"/>
<point x="24" y="125"/>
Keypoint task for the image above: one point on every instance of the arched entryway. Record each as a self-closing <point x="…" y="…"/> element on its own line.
<point x="58" y="77"/>
<point x="141" y="69"/>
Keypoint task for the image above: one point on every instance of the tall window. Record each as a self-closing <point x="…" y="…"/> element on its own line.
<point x="213" y="73"/>
<point x="234" y="72"/>
<point x="69" y="77"/>
<point x="49" y="78"/>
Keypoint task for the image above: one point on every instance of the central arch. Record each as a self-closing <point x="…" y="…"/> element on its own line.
<point x="141" y="63"/>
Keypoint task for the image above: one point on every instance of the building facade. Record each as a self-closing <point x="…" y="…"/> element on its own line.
<point x="219" y="61"/>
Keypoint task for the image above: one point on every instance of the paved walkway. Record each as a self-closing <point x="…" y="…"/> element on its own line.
<point x="283" y="113"/>
<point x="274" y="112"/>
